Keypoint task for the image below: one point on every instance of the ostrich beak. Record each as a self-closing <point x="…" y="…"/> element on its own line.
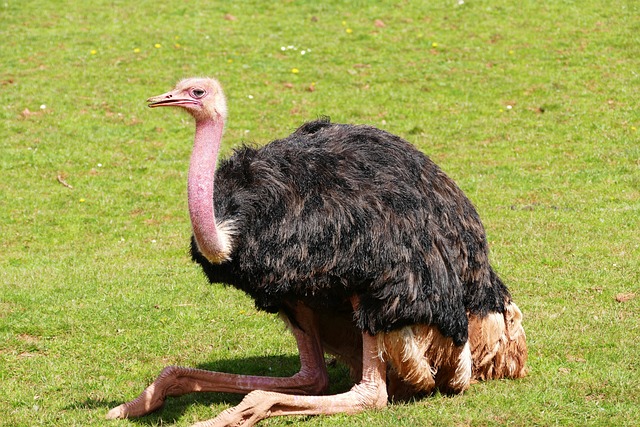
<point x="171" y="99"/>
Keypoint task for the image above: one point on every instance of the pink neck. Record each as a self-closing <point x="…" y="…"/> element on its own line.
<point x="200" y="189"/>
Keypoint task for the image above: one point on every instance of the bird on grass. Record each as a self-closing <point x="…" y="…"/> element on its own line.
<point x="366" y="249"/>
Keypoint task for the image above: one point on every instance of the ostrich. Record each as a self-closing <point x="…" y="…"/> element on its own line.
<point x="366" y="250"/>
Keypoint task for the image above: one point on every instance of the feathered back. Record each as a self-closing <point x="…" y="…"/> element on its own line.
<point x="335" y="210"/>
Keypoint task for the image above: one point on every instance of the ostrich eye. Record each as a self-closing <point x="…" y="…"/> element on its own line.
<point x="198" y="93"/>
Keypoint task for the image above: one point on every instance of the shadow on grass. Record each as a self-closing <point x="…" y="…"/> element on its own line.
<point x="175" y="407"/>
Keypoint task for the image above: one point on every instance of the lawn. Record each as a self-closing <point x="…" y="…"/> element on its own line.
<point x="532" y="107"/>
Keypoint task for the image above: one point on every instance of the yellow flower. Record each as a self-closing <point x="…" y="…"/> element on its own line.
<point x="349" y="30"/>
<point x="229" y="60"/>
<point x="295" y="70"/>
<point x="177" y="45"/>
<point x="434" y="44"/>
<point x="136" y="50"/>
<point x="157" y="45"/>
<point x="81" y="200"/>
<point x="93" y="51"/>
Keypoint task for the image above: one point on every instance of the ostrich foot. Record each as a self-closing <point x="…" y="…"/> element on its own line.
<point x="253" y="408"/>
<point x="259" y="405"/>
<point x="176" y="381"/>
<point x="172" y="381"/>
<point x="370" y="393"/>
<point x="149" y="400"/>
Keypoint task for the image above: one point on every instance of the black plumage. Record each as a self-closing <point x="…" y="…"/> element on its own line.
<point x="337" y="210"/>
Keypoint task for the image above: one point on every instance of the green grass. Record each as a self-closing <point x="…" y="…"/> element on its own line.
<point x="532" y="107"/>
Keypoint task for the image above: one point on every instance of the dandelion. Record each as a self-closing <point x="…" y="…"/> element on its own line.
<point x="633" y="128"/>
<point x="82" y="200"/>
<point x="93" y="52"/>
<point x="434" y="45"/>
<point x="511" y="52"/>
<point x="229" y="60"/>
<point x="349" y="30"/>
<point x="295" y="70"/>
<point x="157" y="45"/>
<point x="136" y="50"/>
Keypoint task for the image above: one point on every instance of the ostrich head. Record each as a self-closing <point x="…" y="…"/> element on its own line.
<point x="201" y="97"/>
<point x="204" y="100"/>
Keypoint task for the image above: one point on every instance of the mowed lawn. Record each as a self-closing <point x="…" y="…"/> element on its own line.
<point x="532" y="107"/>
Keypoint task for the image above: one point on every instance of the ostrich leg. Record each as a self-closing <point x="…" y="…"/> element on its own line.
<point x="371" y="392"/>
<point x="176" y="381"/>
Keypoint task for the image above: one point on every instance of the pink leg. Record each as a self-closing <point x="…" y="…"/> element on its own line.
<point x="371" y="392"/>
<point x="176" y="381"/>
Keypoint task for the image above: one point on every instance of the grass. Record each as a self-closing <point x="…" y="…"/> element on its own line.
<point x="530" y="106"/>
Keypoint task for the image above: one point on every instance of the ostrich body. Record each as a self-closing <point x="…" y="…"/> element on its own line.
<point x="365" y="248"/>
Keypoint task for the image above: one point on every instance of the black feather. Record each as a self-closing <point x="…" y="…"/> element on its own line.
<point x="335" y="210"/>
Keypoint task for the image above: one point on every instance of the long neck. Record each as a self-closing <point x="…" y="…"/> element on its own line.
<point x="211" y="241"/>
